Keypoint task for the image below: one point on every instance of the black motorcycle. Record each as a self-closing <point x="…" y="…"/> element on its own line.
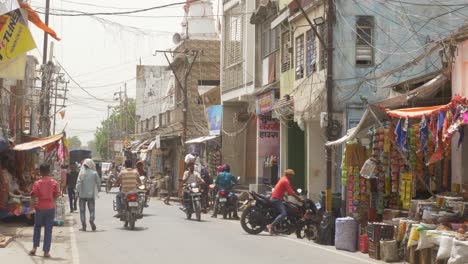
<point x="259" y="211"/>
<point x="227" y="203"/>
<point x="192" y="200"/>
<point x="132" y="208"/>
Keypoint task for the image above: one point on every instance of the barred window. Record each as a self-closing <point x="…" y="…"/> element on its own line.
<point x="269" y="39"/>
<point x="233" y="36"/>
<point x="300" y="57"/>
<point x="311" y="60"/>
<point x="285" y="54"/>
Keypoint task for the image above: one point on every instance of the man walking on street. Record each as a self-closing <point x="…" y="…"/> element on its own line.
<point x="87" y="188"/>
<point x="128" y="181"/>
<point x="72" y="177"/>
<point x="277" y="196"/>
<point x="45" y="191"/>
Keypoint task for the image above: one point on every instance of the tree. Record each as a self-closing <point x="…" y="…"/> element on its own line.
<point x="74" y="143"/>
<point x="121" y="123"/>
<point x="92" y="146"/>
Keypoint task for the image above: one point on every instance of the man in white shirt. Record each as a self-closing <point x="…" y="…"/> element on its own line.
<point x="190" y="176"/>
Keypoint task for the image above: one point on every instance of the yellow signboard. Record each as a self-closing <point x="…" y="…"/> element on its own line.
<point x="15" y="37"/>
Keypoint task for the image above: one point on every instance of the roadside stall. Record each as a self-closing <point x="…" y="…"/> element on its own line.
<point x="208" y="149"/>
<point x="400" y="199"/>
<point x="20" y="170"/>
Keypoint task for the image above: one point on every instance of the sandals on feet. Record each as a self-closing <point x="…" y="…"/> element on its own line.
<point x="47" y="255"/>
<point x="32" y="253"/>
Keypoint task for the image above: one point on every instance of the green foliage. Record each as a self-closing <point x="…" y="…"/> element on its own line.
<point x="74" y="143"/>
<point x="120" y="123"/>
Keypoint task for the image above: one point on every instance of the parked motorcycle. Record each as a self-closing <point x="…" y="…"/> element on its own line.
<point x="192" y="201"/>
<point x="301" y="219"/>
<point x="132" y="207"/>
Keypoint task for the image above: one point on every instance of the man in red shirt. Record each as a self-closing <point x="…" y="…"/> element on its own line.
<point x="281" y="188"/>
<point x="45" y="191"/>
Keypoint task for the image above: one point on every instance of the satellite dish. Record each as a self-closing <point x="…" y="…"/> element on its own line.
<point x="176" y="38"/>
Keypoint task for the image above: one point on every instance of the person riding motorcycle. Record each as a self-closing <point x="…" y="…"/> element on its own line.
<point x="225" y="181"/>
<point x="277" y="196"/>
<point x="128" y="180"/>
<point x="205" y="187"/>
<point x="190" y="176"/>
<point x="140" y="166"/>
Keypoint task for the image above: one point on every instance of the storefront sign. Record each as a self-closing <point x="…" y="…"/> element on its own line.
<point x="268" y="148"/>
<point x="215" y="117"/>
<point x="264" y="102"/>
<point x="15" y="36"/>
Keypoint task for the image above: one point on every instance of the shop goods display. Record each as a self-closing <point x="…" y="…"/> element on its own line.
<point x="379" y="231"/>
<point x="374" y="249"/>
<point x="326" y="232"/>
<point x="346" y="236"/>
<point x="459" y="254"/>
<point x="363" y="244"/>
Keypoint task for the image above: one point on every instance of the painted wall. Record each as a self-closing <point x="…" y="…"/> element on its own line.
<point x="316" y="164"/>
<point x="395" y="44"/>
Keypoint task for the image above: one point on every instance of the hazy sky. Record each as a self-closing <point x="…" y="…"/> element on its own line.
<point x="102" y="55"/>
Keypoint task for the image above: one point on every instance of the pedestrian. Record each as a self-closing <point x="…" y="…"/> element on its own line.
<point x="168" y="183"/>
<point x="72" y="177"/>
<point x="87" y="188"/>
<point x="44" y="193"/>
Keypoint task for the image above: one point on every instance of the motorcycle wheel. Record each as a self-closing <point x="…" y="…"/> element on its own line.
<point x="309" y="231"/>
<point x="189" y="215"/>
<point x="108" y="185"/>
<point x="198" y="210"/>
<point x="132" y="222"/>
<point x="247" y="226"/>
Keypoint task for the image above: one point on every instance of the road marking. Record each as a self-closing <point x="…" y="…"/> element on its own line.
<point x="74" y="247"/>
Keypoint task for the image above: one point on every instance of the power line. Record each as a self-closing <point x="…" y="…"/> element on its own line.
<point x="427" y="4"/>
<point x="80" y="13"/>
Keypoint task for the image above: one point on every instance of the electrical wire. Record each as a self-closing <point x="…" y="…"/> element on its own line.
<point x="427" y="4"/>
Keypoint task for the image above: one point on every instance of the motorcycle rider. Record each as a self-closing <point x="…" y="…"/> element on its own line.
<point x="277" y="196"/>
<point x="128" y="180"/>
<point x="190" y="176"/>
<point x="225" y="181"/>
<point x="141" y="171"/>
<point x="205" y="174"/>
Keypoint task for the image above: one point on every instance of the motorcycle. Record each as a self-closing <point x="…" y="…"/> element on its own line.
<point x="227" y="203"/>
<point x="192" y="201"/>
<point x="110" y="182"/>
<point x="259" y="211"/>
<point x="132" y="204"/>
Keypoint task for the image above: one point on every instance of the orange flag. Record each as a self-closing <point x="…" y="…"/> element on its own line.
<point x="62" y="114"/>
<point x="36" y="20"/>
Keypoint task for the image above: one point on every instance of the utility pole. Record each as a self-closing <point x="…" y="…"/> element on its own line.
<point x="184" y="86"/>
<point x="55" y="104"/>
<point x="46" y="76"/>
<point x="329" y="86"/>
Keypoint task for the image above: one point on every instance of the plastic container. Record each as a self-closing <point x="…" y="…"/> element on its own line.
<point x="346" y="236"/>
<point x="363" y="243"/>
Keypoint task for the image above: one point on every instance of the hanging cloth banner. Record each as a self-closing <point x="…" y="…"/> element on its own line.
<point x="6" y="6"/>
<point x="15" y="36"/>
<point x="36" y="20"/>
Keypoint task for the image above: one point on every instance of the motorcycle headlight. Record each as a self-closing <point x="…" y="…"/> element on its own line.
<point x="195" y="190"/>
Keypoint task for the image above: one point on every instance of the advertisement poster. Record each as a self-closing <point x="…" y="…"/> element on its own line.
<point x="215" y="118"/>
<point x="268" y="144"/>
<point x="264" y="102"/>
<point x="15" y="36"/>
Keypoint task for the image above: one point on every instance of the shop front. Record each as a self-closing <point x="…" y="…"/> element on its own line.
<point x="268" y="140"/>
<point x="400" y="197"/>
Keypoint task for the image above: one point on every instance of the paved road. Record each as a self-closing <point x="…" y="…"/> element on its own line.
<point x="163" y="235"/>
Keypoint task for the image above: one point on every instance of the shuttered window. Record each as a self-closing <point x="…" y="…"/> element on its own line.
<point x="233" y="36"/>
<point x="364" y="40"/>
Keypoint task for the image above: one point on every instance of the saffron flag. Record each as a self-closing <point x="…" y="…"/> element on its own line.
<point x="36" y="20"/>
<point x="6" y="6"/>
<point x="15" y="37"/>
<point x="62" y="114"/>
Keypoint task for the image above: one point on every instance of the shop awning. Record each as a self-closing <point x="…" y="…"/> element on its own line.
<point x="39" y="143"/>
<point x="200" y="139"/>
<point x="375" y="114"/>
<point x="371" y="116"/>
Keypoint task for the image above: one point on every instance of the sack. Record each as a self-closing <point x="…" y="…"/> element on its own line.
<point x="189" y="158"/>
<point x="459" y="252"/>
<point x="389" y="251"/>
<point x="346" y="234"/>
<point x="445" y="248"/>
<point x="425" y="241"/>
<point x="326" y="232"/>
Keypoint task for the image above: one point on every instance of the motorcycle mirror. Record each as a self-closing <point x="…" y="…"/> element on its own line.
<point x="299" y="191"/>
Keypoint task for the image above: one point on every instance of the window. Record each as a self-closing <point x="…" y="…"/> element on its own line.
<point x="364" y="41"/>
<point x="269" y="39"/>
<point x="300" y="57"/>
<point x="285" y="54"/>
<point x="311" y="62"/>
<point x="233" y="36"/>
<point x="323" y="49"/>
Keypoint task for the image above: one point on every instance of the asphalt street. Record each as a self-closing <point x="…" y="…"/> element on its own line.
<point x="164" y="235"/>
